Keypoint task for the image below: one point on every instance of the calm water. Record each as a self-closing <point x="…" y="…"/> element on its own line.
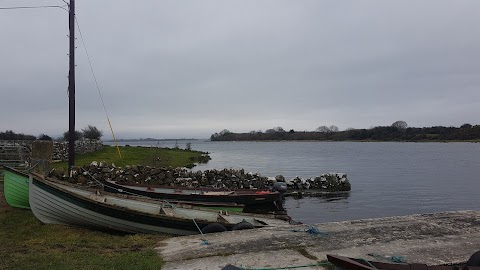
<point x="387" y="178"/>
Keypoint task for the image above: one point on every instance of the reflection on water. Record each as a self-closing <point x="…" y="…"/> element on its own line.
<point x="337" y="197"/>
<point x="323" y="196"/>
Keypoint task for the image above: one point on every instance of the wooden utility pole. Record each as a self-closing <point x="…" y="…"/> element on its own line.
<point x="71" y="88"/>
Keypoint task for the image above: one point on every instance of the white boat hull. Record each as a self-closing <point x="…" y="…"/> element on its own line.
<point x="54" y="203"/>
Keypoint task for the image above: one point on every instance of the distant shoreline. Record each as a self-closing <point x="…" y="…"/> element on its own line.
<point x="393" y="133"/>
<point x="376" y="141"/>
<point x="152" y="139"/>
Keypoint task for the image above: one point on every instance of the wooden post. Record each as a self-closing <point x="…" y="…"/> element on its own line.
<point x="71" y="88"/>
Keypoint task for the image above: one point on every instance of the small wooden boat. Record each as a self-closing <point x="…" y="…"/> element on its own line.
<point x="113" y="187"/>
<point x="247" y="197"/>
<point x="15" y="188"/>
<point x="55" y="202"/>
<point x="346" y="263"/>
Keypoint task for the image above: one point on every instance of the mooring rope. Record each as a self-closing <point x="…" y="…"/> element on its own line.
<point x="311" y="230"/>
<point x="39" y="161"/>
<point x="165" y="202"/>
<point x="121" y="191"/>
<point x="98" y="88"/>
<point x="367" y="262"/>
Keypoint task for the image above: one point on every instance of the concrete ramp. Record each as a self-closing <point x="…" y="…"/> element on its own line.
<point x="435" y="239"/>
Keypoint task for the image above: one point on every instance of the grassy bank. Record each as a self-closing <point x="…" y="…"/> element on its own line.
<point x="148" y="156"/>
<point x="29" y="244"/>
<point x="26" y="243"/>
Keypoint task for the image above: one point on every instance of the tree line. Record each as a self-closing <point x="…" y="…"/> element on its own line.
<point x="89" y="132"/>
<point x="398" y="131"/>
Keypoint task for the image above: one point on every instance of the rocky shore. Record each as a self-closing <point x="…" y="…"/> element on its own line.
<point x="181" y="177"/>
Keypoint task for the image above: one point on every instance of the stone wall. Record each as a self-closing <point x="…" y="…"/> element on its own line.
<point x="60" y="149"/>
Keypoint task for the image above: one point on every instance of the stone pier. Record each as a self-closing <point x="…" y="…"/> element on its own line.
<point x="434" y="239"/>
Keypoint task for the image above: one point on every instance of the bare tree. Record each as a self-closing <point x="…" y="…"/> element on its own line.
<point x="92" y="133"/>
<point x="323" y="129"/>
<point x="279" y="129"/>
<point x="400" y="125"/>
<point x="333" y="128"/>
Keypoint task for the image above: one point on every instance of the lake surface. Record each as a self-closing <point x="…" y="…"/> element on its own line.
<point x="388" y="179"/>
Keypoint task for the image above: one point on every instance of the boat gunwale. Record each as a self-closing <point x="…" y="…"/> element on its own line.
<point x="240" y="191"/>
<point x="239" y="198"/>
<point x="15" y="188"/>
<point x="121" y="189"/>
<point x="46" y="181"/>
<point x="13" y="170"/>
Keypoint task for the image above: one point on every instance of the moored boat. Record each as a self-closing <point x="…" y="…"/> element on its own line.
<point x="247" y="197"/>
<point x="53" y="202"/>
<point x="15" y="188"/>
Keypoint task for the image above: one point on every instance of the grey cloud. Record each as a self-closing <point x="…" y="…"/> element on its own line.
<point x="192" y="68"/>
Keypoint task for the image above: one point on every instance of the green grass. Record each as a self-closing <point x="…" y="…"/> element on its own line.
<point x="26" y="243"/>
<point x="148" y="156"/>
<point x="29" y="244"/>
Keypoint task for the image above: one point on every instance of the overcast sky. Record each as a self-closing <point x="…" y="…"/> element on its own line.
<point x="170" y="69"/>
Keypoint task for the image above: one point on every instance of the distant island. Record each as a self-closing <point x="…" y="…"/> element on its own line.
<point x="10" y="135"/>
<point x="398" y="131"/>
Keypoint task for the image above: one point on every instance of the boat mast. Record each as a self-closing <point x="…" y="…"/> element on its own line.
<point x="71" y="88"/>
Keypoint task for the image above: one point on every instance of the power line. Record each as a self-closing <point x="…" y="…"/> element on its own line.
<point x="33" y="7"/>
<point x="86" y="52"/>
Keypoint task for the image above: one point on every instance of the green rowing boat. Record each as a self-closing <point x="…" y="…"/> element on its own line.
<point x="16" y="188"/>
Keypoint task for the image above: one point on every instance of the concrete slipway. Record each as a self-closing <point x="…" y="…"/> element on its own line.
<point x="438" y="238"/>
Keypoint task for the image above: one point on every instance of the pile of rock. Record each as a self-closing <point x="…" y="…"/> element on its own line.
<point x="181" y="177"/>
<point x="326" y="181"/>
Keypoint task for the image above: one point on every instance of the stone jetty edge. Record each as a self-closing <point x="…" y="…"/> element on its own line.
<point x="434" y="239"/>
